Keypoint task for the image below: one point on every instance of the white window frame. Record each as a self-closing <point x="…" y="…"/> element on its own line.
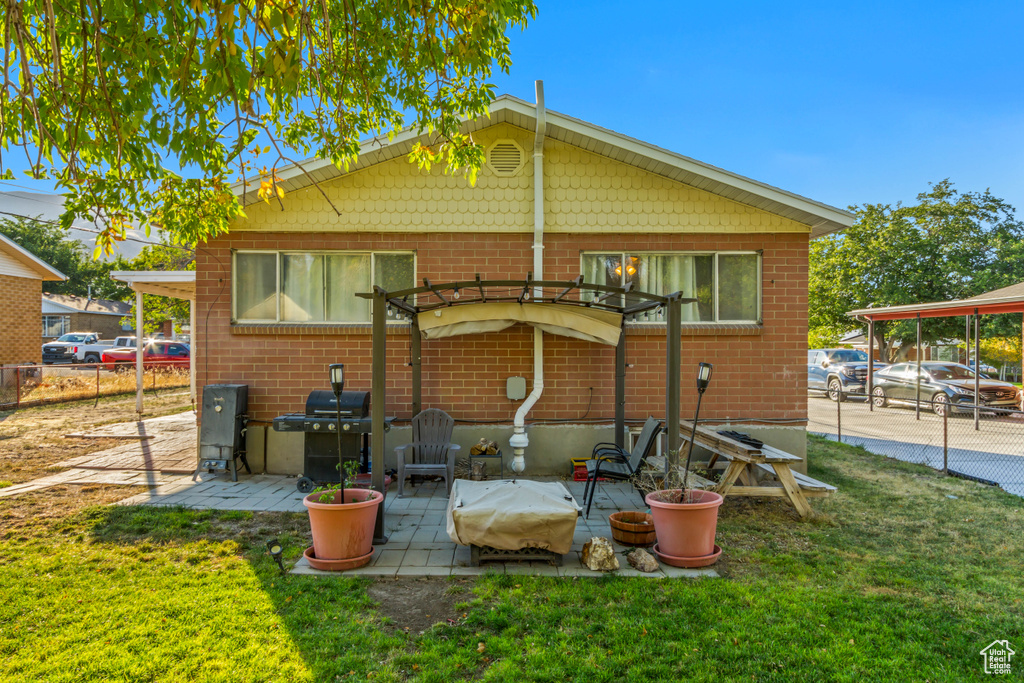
<point x="314" y="252"/>
<point x="760" y="259"/>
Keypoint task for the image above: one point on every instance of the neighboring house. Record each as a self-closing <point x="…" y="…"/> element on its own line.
<point x="63" y="313"/>
<point x="21" y="281"/>
<point x="276" y="304"/>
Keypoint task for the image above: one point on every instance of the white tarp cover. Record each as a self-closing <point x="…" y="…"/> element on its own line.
<point x="511" y="515"/>
<point x="579" y="322"/>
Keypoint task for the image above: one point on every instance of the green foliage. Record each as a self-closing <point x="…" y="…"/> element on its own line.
<point x="49" y="242"/>
<point x="949" y="245"/>
<point x="120" y="100"/>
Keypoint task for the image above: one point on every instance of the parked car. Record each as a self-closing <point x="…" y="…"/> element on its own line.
<point x="81" y="347"/>
<point x="154" y="354"/>
<point x="837" y="372"/>
<point x="943" y="386"/>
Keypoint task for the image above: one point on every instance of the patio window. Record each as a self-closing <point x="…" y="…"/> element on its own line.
<point x="314" y="287"/>
<point x="727" y="285"/>
<point x="56" y="325"/>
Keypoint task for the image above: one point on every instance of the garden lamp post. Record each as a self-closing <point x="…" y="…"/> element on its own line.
<point x="703" y="380"/>
<point x="337" y="372"/>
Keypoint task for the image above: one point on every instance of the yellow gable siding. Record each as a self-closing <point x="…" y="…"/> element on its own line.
<point x="397" y="196"/>
<point x="584" y="192"/>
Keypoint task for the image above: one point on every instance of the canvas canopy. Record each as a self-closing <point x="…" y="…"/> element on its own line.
<point x="588" y="324"/>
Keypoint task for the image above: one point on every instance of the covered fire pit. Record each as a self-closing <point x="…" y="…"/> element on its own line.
<point x="505" y="521"/>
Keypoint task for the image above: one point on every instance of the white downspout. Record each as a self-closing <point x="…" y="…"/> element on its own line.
<point x="519" y="440"/>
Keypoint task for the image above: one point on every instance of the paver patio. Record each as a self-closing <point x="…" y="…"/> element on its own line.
<point x="418" y="544"/>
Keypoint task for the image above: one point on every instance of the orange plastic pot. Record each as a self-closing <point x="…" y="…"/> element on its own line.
<point x="343" y="532"/>
<point x="685" y="530"/>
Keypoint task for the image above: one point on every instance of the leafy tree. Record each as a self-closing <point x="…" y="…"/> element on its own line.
<point x="50" y="242"/>
<point x="119" y="100"/>
<point x="949" y="245"/>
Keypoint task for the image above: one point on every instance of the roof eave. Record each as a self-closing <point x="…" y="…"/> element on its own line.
<point x="821" y="218"/>
<point x="42" y="268"/>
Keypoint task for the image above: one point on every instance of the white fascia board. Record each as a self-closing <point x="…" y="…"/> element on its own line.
<point x="47" y="271"/>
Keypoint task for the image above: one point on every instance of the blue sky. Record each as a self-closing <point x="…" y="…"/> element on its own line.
<point x="846" y="103"/>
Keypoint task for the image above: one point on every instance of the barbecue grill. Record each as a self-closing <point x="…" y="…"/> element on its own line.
<point x="320" y="425"/>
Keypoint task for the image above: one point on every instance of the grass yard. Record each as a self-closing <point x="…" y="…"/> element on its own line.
<point x="894" y="580"/>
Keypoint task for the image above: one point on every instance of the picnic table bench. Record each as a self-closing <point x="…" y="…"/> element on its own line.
<point x="746" y="463"/>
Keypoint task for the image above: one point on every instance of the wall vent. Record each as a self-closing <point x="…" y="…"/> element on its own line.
<point x="505" y="157"/>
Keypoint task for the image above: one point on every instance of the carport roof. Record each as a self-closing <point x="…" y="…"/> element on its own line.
<point x="180" y="284"/>
<point x="1006" y="300"/>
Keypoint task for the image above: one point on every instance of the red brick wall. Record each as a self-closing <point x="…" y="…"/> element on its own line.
<point x="20" y="321"/>
<point x="759" y="372"/>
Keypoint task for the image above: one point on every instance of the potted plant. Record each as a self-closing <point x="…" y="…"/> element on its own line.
<point x="685" y="520"/>
<point x="341" y="519"/>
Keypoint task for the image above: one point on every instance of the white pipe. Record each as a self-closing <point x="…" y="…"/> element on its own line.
<point x="519" y="440"/>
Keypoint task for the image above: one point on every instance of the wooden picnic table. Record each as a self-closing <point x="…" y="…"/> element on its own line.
<point x="747" y="462"/>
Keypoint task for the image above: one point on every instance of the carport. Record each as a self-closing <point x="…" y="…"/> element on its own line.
<point x="1006" y="300"/>
<point x="178" y="284"/>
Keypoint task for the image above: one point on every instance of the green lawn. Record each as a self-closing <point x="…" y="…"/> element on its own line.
<point x="894" y="580"/>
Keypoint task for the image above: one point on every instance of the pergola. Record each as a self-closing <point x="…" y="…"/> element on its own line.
<point x="1005" y="300"/>
<point x="595" y="313"/>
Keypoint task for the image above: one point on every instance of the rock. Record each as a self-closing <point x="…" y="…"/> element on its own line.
<point x="599" y="556"/>
<point x="643" y="561"/>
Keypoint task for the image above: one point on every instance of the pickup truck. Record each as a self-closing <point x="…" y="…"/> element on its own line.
<point x="81" y="347"/>
<point x="154" y="354"/>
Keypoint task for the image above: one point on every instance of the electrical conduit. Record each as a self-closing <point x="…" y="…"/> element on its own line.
<point x="519" y="440"/>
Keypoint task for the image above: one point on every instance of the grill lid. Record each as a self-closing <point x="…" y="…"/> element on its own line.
<point x="321" y="403"/>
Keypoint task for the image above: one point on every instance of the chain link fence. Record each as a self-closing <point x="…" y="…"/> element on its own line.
<point x="24" y="386"/>
<point x="981" y="443"/>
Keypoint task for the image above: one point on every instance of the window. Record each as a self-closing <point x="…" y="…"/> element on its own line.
<point x="176" y="350"/>
<point x="314" y="287"/>
<point x="56" y="325"/>
<point x="726" y="285"/>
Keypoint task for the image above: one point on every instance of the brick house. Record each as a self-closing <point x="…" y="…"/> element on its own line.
<point x="276" y="302"/>
<point x="63" y="313"/>
<point x="21" y="281"/>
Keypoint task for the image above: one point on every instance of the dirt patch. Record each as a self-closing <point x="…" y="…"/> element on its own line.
<point x="39" y="508"/>
<point x="32" y="440"/>
<point x="415" y="604"/>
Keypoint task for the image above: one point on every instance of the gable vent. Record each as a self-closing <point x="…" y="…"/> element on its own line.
<point x="505" y="157"/>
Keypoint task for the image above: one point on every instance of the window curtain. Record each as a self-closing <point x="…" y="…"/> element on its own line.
<point x="601" y="269"/>
<point x="302" y="290"/>
<point x="667" y="273"/>
<point x="255" y="286"/>
<point x="347" y="274"/>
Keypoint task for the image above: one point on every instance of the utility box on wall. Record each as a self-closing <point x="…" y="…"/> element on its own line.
<point x="515" y="388"/>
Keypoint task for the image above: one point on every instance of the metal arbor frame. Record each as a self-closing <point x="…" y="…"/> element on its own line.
<point x="623" y="300"/>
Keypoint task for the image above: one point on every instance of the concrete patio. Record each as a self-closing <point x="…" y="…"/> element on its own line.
<point x="418" y="544"/>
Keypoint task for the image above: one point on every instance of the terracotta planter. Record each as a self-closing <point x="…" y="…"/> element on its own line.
<point x="632" y="528"/>
<point x="342" y="534"/>
<point x="686" y="531"/>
